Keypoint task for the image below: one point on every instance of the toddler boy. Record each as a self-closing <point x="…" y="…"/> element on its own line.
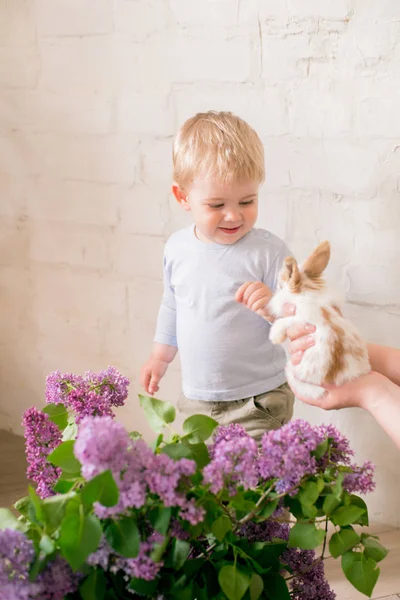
<point x="215" y="271"/>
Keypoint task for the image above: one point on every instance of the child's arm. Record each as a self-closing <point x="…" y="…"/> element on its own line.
<point x="165" y="343"/>
<point x="255" y="295"/>
<point x="155" y="367"/>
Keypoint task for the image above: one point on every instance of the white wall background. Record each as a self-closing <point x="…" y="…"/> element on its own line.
<point x="92" y="92"/>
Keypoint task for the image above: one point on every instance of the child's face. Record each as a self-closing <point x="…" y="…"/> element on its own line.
<point x="222" y="212"/>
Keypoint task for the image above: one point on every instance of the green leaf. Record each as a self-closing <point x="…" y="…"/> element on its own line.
<point x="70" y="432"/>
<point x="305" y="536"/>
<point x="58" y="414"/>
<point x="102" y="489"/>
<point x="321" y="449"/>
<point x="199" y="453"/>
<point x="177" y="451"/>
<point x="143" y="587"/>
<point x="63" y="457"/>
<point x="63" y="486"/>
<point x="8" y="520"/>
<point x="135" y="435"/>
<point x="234" y="583"/>
<point x="123" y="536"/>
<point x="94" y="586"/>
<point x="180" y="553"/>
<point x="198" y="428"/>
<point x="330" y="504"/>
<point x="157" y="443"/>
<point x="361" y="571"/>
<point x="338" y="487"/>
<point x="357" y="501"/>
<point x="346" y="515"/>
<point x="160" y="519"/>
<point x="158" y="413"/>
<point x="256" y="587"/>
<point x="46" y="544"/>
<point x="309" y="493"/>
<point x="373" y="549"/>
<point x="22" y="505"/>
<point x="193" y="566"/>
<point x="268" y="508"/>
<point x="342" y="541"/>
<point x="54" y="509"/>
<point x="276" y="587"/>
<point x="221" y="526"/>
<point x="80" y="535"/>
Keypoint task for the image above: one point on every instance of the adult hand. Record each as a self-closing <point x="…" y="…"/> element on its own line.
<point x="359" y="393"/>
<point x="300" y="335"/>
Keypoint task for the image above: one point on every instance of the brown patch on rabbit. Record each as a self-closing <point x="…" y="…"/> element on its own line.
<point x="338" y="351"/>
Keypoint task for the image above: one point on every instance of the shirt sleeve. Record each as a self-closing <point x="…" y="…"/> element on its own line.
<point x="166" y="320"/>
<point x="271" y="278"/>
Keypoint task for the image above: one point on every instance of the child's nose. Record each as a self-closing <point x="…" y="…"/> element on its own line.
<point x="232" y="215"/>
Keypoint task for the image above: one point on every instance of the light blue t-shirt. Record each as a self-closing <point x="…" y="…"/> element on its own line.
<point x="224" y="347"/>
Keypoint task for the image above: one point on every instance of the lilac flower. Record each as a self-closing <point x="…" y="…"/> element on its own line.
<point x="169" y="479"/>
<point x="16" y="555"/>
<point x="286" y="454"/>
<point x="309" y="582"/>
<point x="59" y="386"/>
<point x="234" y="463"/>
<point x="265" y="531"/>
<point x="177" y="531"/>
<point x="101" y="557"/>
<point x="41" y="437"/>
<point x="93" y="394"/>
<point x="361" y="480"/>
<point x="339" y="446"/>
<point x="58" y="580"/>
<point x="226" y="433"/>
<point x="129" y="476"/>
<point x="142" y="566"/>
<point x="103" y="444"/>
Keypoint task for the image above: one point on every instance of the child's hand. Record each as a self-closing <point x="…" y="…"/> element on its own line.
<point x="151" y="373"/>
<point x="255" y="295"/>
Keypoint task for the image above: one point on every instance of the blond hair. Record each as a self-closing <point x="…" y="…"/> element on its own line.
<point x="220" y="145"/>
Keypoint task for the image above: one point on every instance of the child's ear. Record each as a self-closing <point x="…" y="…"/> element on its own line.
<point x="181" y="196"/>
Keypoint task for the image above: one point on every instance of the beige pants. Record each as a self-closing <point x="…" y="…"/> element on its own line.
<point x="256" y="414"/>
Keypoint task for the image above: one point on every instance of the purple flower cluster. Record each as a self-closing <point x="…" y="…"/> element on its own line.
<point x="265" y="531"/>
<point x="58" y="580"/>
<point x="103" y="444"/>
<point x="234" y="461"/>
<point x="142" y="566"/>
<point x="339" y="447"/>
<point x="92" y="394"/>
<point x="41" y="437"/>
<point x="16" y="555"/>
<point x="286" y="454"/>
<point x="361" y="480"/>
<point x="309" y="581"/>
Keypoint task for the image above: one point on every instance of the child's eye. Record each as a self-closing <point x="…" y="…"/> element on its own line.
<point x="216" y="206"/>
<point x="246" y="202"/>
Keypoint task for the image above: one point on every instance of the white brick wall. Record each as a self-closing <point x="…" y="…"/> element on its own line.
<point x="92" y="92"/>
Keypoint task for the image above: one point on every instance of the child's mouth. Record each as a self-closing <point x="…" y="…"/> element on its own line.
<point x="230" y="230"/>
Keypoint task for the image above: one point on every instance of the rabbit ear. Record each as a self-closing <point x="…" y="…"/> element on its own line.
<point x="291" y="274"/>
<point x="316" y="263"/>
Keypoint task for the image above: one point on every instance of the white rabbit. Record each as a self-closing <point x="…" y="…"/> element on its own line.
<point x="339" y="353"/>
